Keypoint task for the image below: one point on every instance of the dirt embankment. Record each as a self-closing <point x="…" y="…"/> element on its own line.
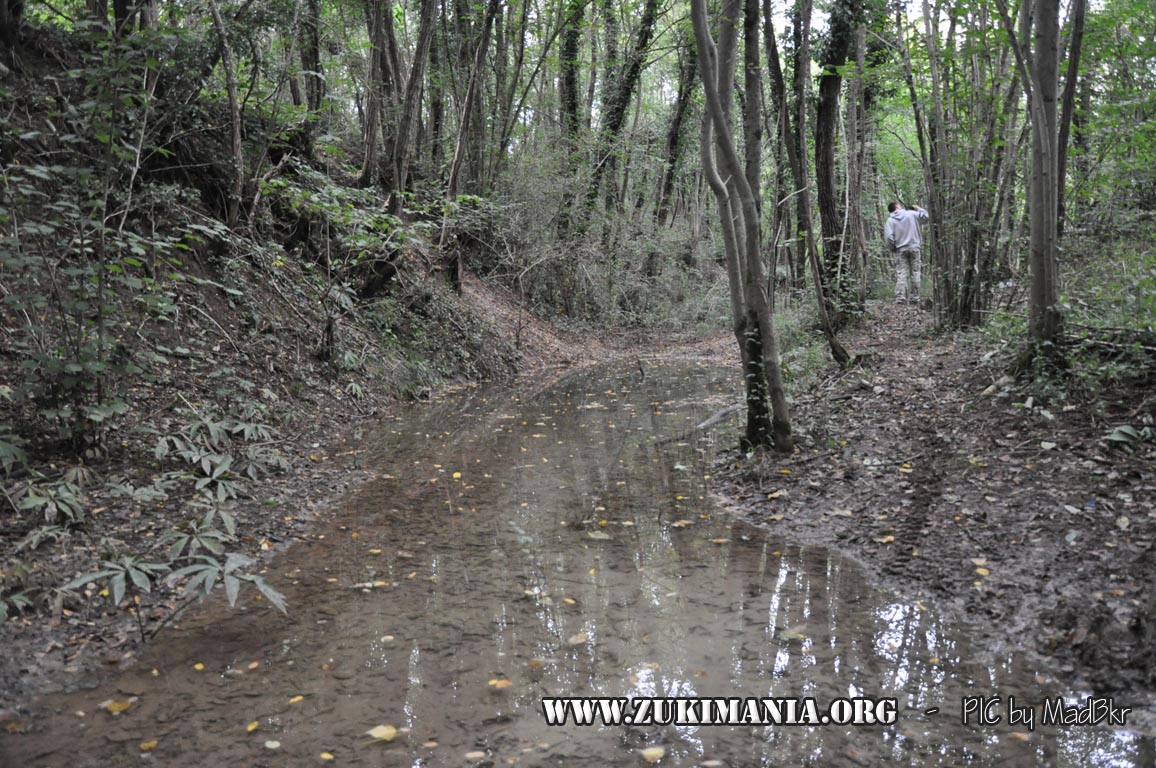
<point x="1012" y="509"/>
<point x="318" y="413"/>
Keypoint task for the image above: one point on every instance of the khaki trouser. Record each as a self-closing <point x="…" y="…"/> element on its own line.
<point x="907" y="261"/>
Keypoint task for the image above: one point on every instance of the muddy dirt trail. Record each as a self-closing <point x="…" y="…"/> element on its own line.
<point x="533" y="542"/>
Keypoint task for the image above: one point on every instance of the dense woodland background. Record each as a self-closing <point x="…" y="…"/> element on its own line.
<point x="212" y="211"/>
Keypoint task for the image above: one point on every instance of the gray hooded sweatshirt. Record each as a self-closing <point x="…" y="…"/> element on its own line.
<point x="902" y="229"/>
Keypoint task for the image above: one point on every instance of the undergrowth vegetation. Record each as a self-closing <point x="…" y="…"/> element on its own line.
<point x="157" y="363"/>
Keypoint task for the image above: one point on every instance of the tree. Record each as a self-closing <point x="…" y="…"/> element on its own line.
<point x="1039" y="72"/>
<point x="768" y="423"/>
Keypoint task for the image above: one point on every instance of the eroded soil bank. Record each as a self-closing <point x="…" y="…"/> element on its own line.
<point x="552" y="540"/>
<point x="1010" y="508"/>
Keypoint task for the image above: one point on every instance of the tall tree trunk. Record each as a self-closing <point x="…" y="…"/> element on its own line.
<point x="801" y="80"/>
<point x="621" y="87"/>
<point x="471" y="99"/>
<point x="687" y="74"/>
<point x="233" y="206"/>
<point x="1039" y="71"/>
<point x="1079" y="12"/>
<point x="763" y="374"/>
<point x="369" y="168"/>
<point x="798" y="163"/>
<point x="311" y="57"/>
<point x="841" y="35"/>
<point x="412" y="104"/>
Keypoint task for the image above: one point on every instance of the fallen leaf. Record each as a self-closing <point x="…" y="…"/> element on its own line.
<point x="578" y="639"/>
<point x="599" y="535"/>
<point x="199" y="666"/>
<point x="569" y="601"/>
<point x="475" y="755"/>
<point x="653" y="754"/>
<point x="296" y="699"/>
<point x="886" y="539"/>
<point x="272" y="745"/>
<point x="535" y="664"/>
<point x="326" y="756"/>
<point x="430" y="744"/>
<point x="116" y="707"/>
<point x="252" y="726"/>
<point x="500" y="684"/>
<point x="719" y="541"/>
<point x="254" y="664"/>
<point x="983" y="571"/>
<point x="979" y="561"/>
<point x="148" y="746"/>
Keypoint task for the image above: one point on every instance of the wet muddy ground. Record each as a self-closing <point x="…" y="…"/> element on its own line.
<point x="541" y="542"/>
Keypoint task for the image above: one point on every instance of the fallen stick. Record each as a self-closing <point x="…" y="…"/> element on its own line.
<point x="715" y="418"/>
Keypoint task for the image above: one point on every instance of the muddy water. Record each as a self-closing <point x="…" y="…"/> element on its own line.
<point x="546" y="542"/>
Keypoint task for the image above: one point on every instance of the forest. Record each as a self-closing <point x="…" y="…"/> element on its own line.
<point x="375" y="372"/>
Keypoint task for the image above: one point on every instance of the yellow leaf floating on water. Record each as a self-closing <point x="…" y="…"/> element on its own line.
<point x="326" y="756"/>
<point x="501" y="683"/>
<point x="652" y="754"/>
<point x="148" y="746"/>
<point x="252" y="726"/>
<point x="578" y="639"/>
<point x="272" y="744"/>
<point x="569" y="601"/>
<point x="886" y="539"/>
<point x="535" y="664"/>
<point x="382" y="733"/>
<point x="475" y="755"/>
<point x="199" y="666"/>
<point x="719" y="541"/>
<point x="430" y="744"/>
<point x="983" y="571"/>
<point x="296" y="699"/>
<point x="254" y="664"/>
<point x="979" y="561"/>
<point x="116" y="707"/>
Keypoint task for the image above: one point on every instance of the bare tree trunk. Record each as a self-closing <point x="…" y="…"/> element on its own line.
<point x="687" y="73"/>
<point x="311" y="57"/>
<point x="1039" y="71"/>
<point x="764" y="374"/>
<point x="470" y="100"/>
<point x="369" y="169"/>
<point x="1079" y="13"/>
<point x="412" y="104"/>
<point x="234" y="204"/>
<point x="806" y="244"/>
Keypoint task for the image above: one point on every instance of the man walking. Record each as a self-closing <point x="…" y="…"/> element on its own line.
<point x="901" y="232"/>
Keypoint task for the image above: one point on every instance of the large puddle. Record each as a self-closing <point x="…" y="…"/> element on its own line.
<point x="527" y="544"/>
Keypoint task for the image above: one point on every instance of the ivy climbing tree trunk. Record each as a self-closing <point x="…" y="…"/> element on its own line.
<point x="616" y="107"/>
<point x="840" y="38"/>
